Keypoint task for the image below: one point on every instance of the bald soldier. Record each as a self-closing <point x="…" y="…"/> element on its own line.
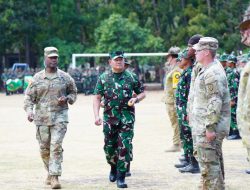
<point x="49" y="95"/>
<point x="210" y="114"/>
<point x="243" y="108"/>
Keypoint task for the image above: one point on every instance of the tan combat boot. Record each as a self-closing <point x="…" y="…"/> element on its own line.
<point x="47" y="181"/>
<point x="55" y="182"/>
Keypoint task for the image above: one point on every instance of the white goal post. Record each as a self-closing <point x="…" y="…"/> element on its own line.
<point x="75" y="55"/>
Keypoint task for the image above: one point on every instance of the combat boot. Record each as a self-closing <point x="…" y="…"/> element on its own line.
<point x="174" y="148"/>
<point x="193" y="167"/>
<point x="48" y="179"/>
<point x="234" y="136"/>
<point x="112" y="174"/>
<point x="121" y="180"/>
<point x="247" y="171"/>
<point x="183" y="163"/>
<point x="128" y="173"/>
<point x="55" y="182"/>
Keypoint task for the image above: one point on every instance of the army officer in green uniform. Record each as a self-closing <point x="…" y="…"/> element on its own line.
<point x="117" y="87"/>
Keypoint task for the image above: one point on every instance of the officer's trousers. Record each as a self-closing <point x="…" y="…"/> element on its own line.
<point x="50" y="140"/>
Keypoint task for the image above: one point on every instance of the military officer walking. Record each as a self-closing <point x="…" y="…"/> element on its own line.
<point x="243" y="108"/>
<point x="49" y="95"/>
<point x="117" y="87"/>
<point x="210" y="114"/>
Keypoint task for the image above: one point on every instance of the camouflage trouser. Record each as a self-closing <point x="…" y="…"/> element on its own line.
<point x="209" y="156"/>
<point x="118" y="144"/>
<point x="50" y="140"/>
<point x="186" y="138"/>
<point x="244" y="129"/>
<point x="233" y="123"/>
<point x="171" y="110"/>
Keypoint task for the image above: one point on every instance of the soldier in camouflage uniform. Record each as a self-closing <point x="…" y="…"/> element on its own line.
<point x="171" y="81"/>
<point x="49" y="94"/>
<point x="182" y="92"/>
<point x="243" y="108"/>
<point x="117" y="87"/>
<point x="233" y="79"/>
<point x="210" y="115"/>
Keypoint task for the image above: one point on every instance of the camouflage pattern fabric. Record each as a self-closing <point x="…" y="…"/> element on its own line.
<point x="182" y="92"/>
<point x="243" y="109"/>
<point x="210" y="111"/>
<point x="233" y="78"/>
<point x="118" y="118"/>
<point x="50" y="140"/>
<point x="43" y="94"/>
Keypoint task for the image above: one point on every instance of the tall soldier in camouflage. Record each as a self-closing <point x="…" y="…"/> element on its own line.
<point x="210" y="114"/>
<point x="49" y="95"/>
<point x="117" y="87"/>
<point x="243" y="108"/>
<point x="182" y="92"/>
<point x="171" y="81"/>
<point x="233" y="79"/>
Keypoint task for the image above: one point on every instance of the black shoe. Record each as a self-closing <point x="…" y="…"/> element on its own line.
<point x="121" y="180"/>
<point x="247" y="171"/>
<point x="233" y="137"/>
<point x="191" y="168"/>
<point x="181" y="164"/>
<point x="112" y="174"/>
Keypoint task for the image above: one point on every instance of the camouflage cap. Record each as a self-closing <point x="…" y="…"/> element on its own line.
<point x="116" y="54"/>
<point x="246" y="20"/>
<point x="223" y="57"/>
<point x="206" y="43"/>
<point x="51" y="52"/>
<point x="232" y="59"/>
<point x="173" y="51"/>
<point x="183" y="55"/>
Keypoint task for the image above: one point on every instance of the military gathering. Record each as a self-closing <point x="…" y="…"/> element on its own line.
<point x="204" y="110"/>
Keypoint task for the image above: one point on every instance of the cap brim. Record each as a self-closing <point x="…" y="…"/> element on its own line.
<point x="117" y="56"/>
<point x="244" y="25"/>
<point x="53" y="55"/>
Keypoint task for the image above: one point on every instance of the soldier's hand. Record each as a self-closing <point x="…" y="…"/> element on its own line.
<point x="232" y="103"/>
<point x="132" y="101"/>
<point x="102" y="104"/>
<point x="98" y="121"/>
<point x="62" y="100"/>
<point x="31" y="117"/>
<point x="210" y="135"/>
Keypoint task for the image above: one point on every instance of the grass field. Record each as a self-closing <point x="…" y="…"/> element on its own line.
<point x="84" y="166"/>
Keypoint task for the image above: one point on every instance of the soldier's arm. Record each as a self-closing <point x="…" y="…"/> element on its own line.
<point x="214" y="97"/>
<point x="138" y="89"/>
<point x="30" y="98"/>
<point x="71" y="91"/>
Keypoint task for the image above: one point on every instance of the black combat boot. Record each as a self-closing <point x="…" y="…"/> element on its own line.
<point x="183" y="163"/>
<point x="128" y="173"/>
<point x="234" y="135"/>
<point x="247" y="171"/>
<point x="112" y="174"/>
<point x="121" y="180"/>
<point x="193" y="167"/>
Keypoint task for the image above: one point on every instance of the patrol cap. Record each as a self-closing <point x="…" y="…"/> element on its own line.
<point x="116" y="54"/>
<point x="223" y="57"/>
<point x="51" y="52"/>
<point x="206" y="43"/>
<point x="232" y="59"/>
<point x="194" y="39"/>
<point x="173" y="51"/>
<point x="246" y="20"/>
<point x="183" y="55"/>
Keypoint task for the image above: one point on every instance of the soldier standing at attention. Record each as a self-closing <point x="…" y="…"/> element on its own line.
<point x="182" y="92"/>
<point x="243" y="108"/>
<point x="233" y="79"/>
<point x="210" y="114"/>
<point x="117" y="87"/>
<point x="49" y="94"/>
<point x="171" y="81"/>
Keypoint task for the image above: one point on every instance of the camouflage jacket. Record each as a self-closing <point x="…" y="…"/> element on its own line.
<point x="233" y="79"/>
<point x="43" y="93"/>
<point x="117" y="89"/>
<point x="182" y="92"/>
<point x="211" y="102"/>
<point x="171" y="83"/>
<point x="243" y="109"/>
